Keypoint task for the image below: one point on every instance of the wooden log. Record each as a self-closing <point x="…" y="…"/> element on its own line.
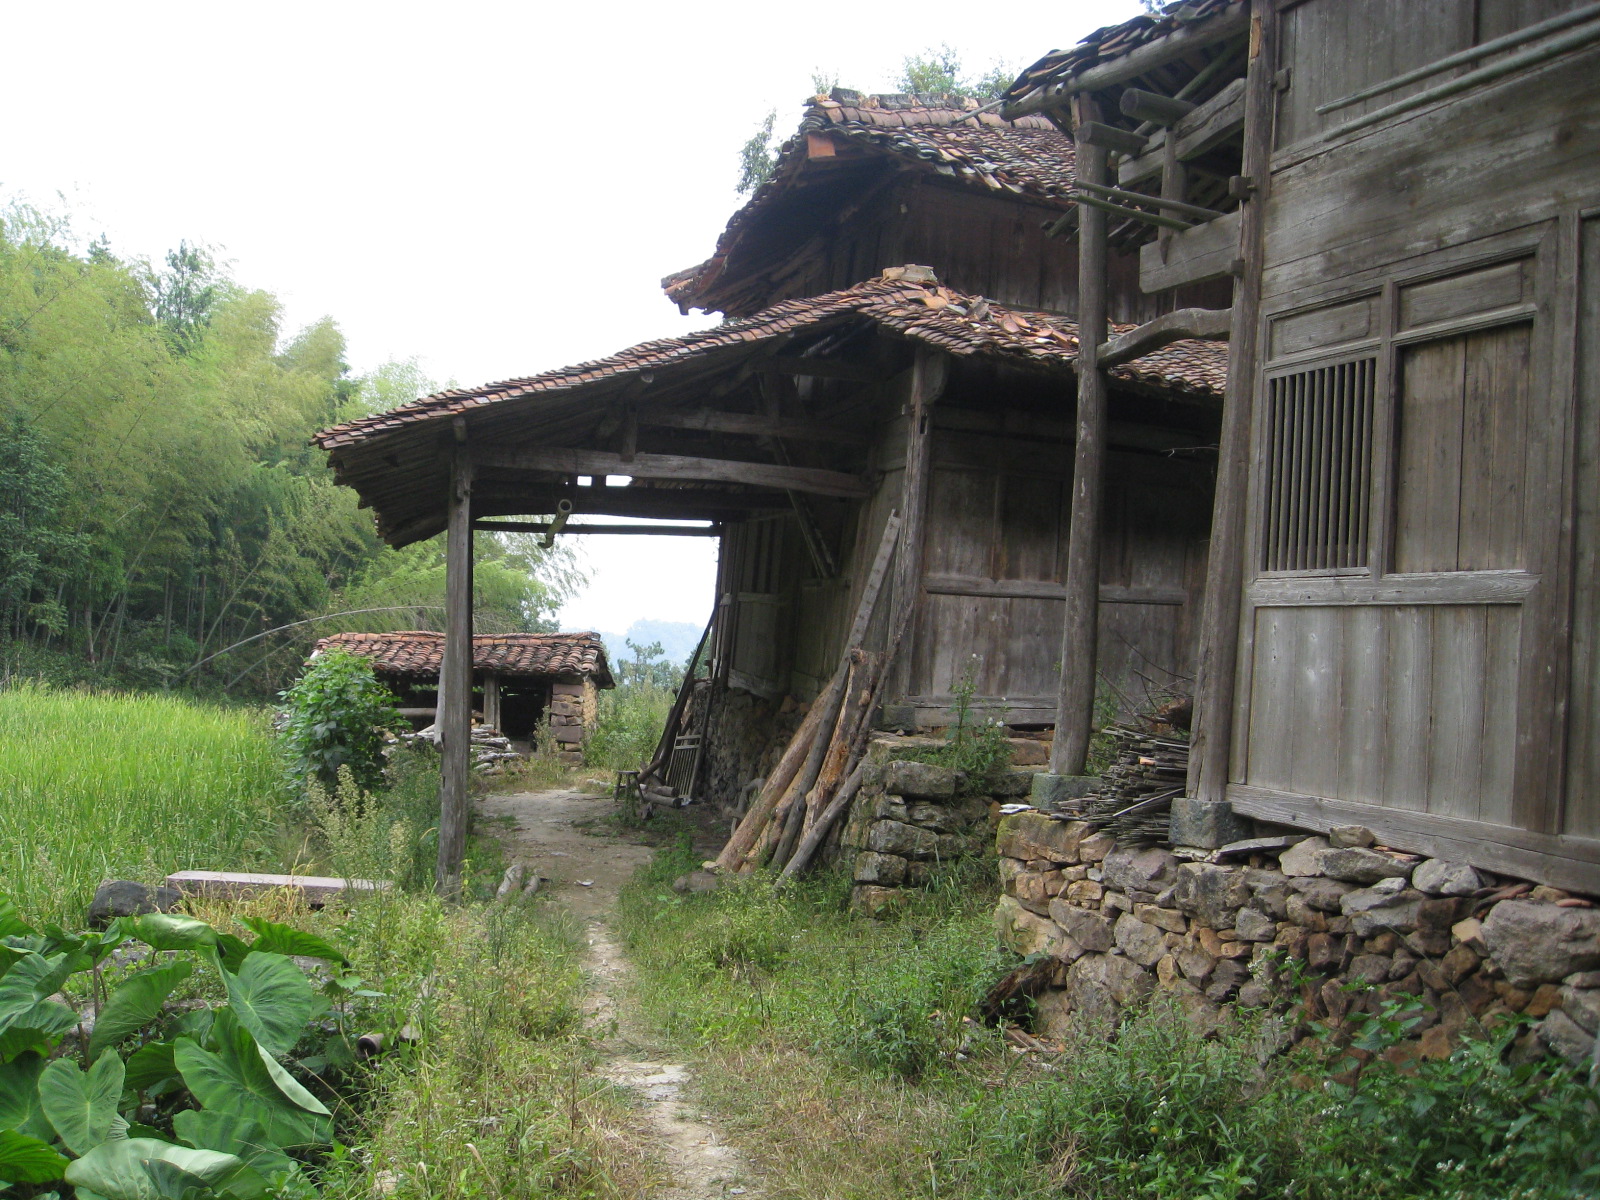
<point x="1131" y="214"/>
<point x="652" y="530"/>
<point x="806" y="777"/>
<point x="1154" y="107"/>
<point x="1218" y="642"/>
<point x="777" y="786"/>
<point x="1124" y="196"/>
<point x="455" y="673"/>
<point x="714" y="420"/>
<point x="1079" y="638"/>
<point x="1107" y="137"/>
<point x="566" y="460"/>
<point x="928" y="378"/>
<point x="1185" y="323"/>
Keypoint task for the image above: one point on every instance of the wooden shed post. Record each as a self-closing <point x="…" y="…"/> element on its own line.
<point x="491" y="700"/>
<point x="455" y="673"/>
<point x="1219" y="623"/>
<point x="929" y="373"/>
<point x="1076" y="691"/>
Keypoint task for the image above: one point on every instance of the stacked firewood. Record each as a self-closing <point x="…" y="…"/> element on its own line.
<point x="1135" y="802"/>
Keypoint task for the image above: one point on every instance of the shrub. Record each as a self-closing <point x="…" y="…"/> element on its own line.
<point x="336" y="716"/>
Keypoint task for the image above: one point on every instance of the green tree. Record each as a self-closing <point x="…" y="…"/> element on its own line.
<point x="758" y="157"/>
<point x="336" y="716"/>
<point x="938" y="71"/>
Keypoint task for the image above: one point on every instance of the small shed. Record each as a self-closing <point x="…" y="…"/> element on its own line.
<point x="518" y="679"/>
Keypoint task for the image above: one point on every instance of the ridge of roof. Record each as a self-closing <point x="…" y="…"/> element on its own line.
<point x="1027" y="157"/>
<point x="421" y="651"/>
<point x="908" y="300"/>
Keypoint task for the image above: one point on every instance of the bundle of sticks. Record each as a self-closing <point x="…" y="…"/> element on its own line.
<point x="824" y="764"/>
<point x="1135" y="801"/>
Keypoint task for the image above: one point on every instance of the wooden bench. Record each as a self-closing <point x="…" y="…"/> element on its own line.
<point x="317" y="889"/>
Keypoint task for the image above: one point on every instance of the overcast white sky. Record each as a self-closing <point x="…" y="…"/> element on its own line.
<point x="491" y="188"/>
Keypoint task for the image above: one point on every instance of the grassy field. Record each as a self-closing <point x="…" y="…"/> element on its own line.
<point x="100" y="786"/>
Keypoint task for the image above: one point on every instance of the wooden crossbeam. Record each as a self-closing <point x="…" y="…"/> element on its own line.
<point x="1185" y="323"/>
<point x="1215" y="121"/>
<point x="1123" y="196"/>
<point x="1154" y="107"/>
<point x="544" y="527"/>
<point x="711" y="420"/>
<point x="572" y="461"/>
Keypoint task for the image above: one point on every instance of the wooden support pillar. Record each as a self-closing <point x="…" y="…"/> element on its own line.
<point x="491" y="700"/>
<point x="929" y="373"/>
<point x="1079" y="634"/>
<point x="455" y="674"/>
<point x="1219" y="621"/>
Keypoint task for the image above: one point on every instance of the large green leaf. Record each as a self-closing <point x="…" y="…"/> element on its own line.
<point x="149" y="1065"/>
<point x="25" y="1159"/>
<point x="230" y="1133"/>
<point x="272" y="998"/>
<point x="82" y="1107"/>
<point x="170" y="931"/>
<point x="273" y="938"/>
<point x="135" y="1003"/>
<point x="37" y="1029"/>
<point x="120" y="1170"/>
<point x="11" y="925"/>
<point x="243" y="1080"/>
<point x="29" y="981"/>
<point x="19" y="1097"/>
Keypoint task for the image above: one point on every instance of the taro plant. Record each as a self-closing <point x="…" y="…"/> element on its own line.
<point x="337" y="715"/>
<point x="146" y="1097"/>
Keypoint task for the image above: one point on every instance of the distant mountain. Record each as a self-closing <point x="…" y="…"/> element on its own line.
<point x="678" y="640"/>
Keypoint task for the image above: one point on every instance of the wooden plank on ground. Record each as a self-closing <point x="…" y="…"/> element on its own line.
<point x="318" y="890"/>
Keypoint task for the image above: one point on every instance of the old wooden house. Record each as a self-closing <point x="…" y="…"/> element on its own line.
<point x="520" y="681"/>
<point x="1403" y="600"/>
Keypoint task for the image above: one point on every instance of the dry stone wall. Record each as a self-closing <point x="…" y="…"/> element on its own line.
<point x="1291" y="921"/>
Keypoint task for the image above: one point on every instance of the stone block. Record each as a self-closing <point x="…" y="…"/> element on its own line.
<point x="1352" y="864"/>
<point x="1140" y="942"/>
<point x="1145" y="870"/>
<point x="1211" y="894"/>
<point x="1052" y="1014"/>
<point x="942" y="818"/>
<point x="1581" y="1004"/>
<point x="1370" y="968"/>
<point x="1049" y="791"/>
<point x="127" y="898"/>
<point x="1089" y="929"/>
<point x="907" y="841"/>
<point x="1460" y="962"/>
<point x="1085" y="891"/>
<point x="1009" y="785"/>
<point x="1302" y="914"/>
<point x="1207" y="824"/>
<point x="1169" y="919"/>
<point x="1440" y="878"/>
<point x="1373" y="911"/>
<point x="924" y="781"/>
<point x="1254" y="995"/>
<point x="1346" y="836"/>
<point x="560" y="688"/>
<point x="1195" y="963"/>
<point x="1271" y="893"/>
<point x="886" y="870"/>
<point x="1028" y="752"/>
<point x="1034" y="835"/>
<point x="891" y="808"/>
<point x="1254" y="926"/>
<point x="1320" y="893"/>
<point x="874" y="901"/>
<point x="1035" y="889"/>
<point x="1303" y="858"/>
<point x="1118" y="902"/>
<point x="1095" y="846"/>
<point x="1028" y="933"/>
<point x="1226" y="979"/>
<point x="1323" y="951"/>
<point x="1541" y="943"/>
<point x="1566" y="1037"/>
<point x="1103" y="984"/>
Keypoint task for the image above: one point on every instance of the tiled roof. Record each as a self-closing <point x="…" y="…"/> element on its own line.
<point x="908" y="300"/>
<point x="1110" y="43"/>
<point x="420" y="652"/>
<point x="1028" y="158"/>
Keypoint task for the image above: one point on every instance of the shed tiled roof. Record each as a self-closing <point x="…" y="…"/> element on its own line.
<point x="1028" y="158"/>
<point x="419" y="653"/>
<point x="1110" y="43"/>
<point x="908" y="300"/>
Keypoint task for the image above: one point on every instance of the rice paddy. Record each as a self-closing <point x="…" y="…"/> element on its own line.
<point x="98" y="786"/>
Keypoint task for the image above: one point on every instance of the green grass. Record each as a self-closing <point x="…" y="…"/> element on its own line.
<point x="108" y="785"/>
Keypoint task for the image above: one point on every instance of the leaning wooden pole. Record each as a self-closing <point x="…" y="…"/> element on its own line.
<point x="455" y="674"/>
<point x="1079" y="634"/>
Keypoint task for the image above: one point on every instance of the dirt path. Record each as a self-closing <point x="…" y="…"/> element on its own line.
<point x="586" y="871"/>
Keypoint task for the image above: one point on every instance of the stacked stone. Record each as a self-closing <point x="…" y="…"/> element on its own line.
<point x="1213" y="931"/>
<point x="491" y="752"/>
<point x="911" y="817"/>
<point x="566" y="720"/>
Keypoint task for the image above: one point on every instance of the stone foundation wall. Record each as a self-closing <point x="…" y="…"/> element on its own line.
<point x="570" y="717"/>
<point x="745" y="738"/>
<point x="911" y="817"/>
<point x="1289" y="921"/>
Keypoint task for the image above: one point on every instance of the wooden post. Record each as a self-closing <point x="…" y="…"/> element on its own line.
<point x="455" y="674"/>
<point x="1219" y="620"/>
<point x="1079" y="640"/>
<point x="929" y="373"/>
<point x="491" y="700"/>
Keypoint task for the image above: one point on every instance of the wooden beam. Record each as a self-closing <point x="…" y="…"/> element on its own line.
<point x="1218" y="119"/>
<point x="1108" y="137"/>
<point x="1154" y="107"/>
<point x="455" y="674"/>
<point x="1079" y="635"/>
<point x="544" y="527"/>
<point x="1198" y="253"/>
<point x="929" y="373"/>
<point x="1231" y="22"/>
<point x="822" y="368"/>
<point x="1082" y="197"/>
<point x="1218" y="648"/>
<point x="491" y="700"/>
<point x="711" y="420"/>
<point x="1172" y="204"/>
<point x="564" y="460"/>
<point x="1212" y="324"/>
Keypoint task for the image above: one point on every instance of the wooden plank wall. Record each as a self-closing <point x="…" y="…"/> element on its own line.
<point x="1581" y="810"/>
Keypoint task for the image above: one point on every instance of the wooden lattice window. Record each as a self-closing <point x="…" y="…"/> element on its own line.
<point x="1319" y="468"/>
